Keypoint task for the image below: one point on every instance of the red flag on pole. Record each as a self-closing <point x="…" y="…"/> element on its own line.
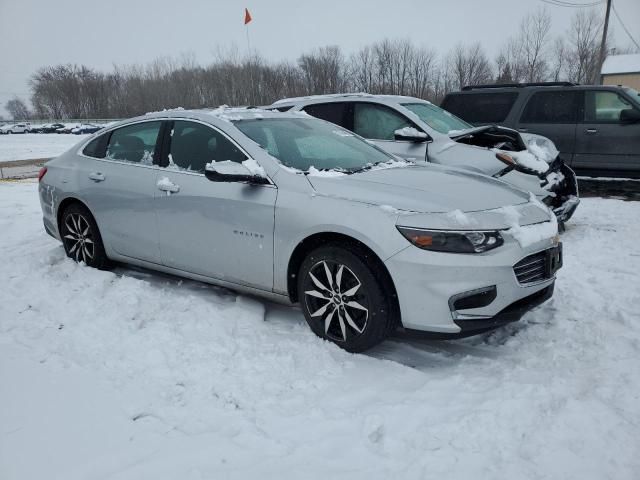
<point x="247" y="16"/>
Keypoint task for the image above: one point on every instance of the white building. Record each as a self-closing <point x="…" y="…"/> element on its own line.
<point x="622" y="70"/>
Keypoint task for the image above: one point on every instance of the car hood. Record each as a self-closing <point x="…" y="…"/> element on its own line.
<point x="425" y="189"/>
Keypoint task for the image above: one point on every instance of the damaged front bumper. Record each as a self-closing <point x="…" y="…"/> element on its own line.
<point x="561" y="182"/>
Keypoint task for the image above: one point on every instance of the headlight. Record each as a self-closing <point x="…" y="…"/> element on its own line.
<point x="452" y="242"/>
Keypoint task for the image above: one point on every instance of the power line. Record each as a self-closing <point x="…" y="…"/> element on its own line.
<point x="561" y="3"/>
<point x="624" y="27"/>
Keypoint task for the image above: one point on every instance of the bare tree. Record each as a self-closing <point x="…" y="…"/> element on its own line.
<point x="468" y="66"/>
<point x="559" y="62"/>
<point x="584" y="48"/>
<point x="18" y="109"/>
<point x="534" y="32"/>
<point x="510" y="63"/>
<point x="323" y="70"/>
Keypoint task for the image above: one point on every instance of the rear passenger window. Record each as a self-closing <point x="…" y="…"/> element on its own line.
<point x="193" y="145"/>
<point x="331" y="112"/>
<point x="552" y="107"/>
<point x="604" y="107"/>
<point x="134" y="143"/>
<point x="97" y="147"/>
<point x="377" y="121"/>
<point x="481" y="107"/>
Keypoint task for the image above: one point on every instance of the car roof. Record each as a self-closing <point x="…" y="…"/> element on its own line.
<point x="520" y="87"/>
<point x="215" y="116"/>
<point x="339" y="97"/>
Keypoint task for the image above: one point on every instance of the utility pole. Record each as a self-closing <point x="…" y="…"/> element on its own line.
<point x="603" y="42"/>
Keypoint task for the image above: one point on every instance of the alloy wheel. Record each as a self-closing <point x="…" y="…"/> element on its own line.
<point x="79" y="238"/>
<point x="335" y="295"/>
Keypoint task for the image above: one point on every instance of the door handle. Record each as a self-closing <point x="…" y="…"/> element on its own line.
<point x="591" y="131"/>
<point x="168" y="186"/>
<point x="97" y="176"/>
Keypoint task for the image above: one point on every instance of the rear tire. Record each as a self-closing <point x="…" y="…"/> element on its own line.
<point x="345" y="298"/>
<point x="81" y="237"/>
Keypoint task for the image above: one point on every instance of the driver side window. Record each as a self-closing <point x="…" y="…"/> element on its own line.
<point x="377" y="122"/>
<point x="604" y="106"/>
<point x="193" y="145"/>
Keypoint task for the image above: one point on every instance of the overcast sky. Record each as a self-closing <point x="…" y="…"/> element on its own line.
<point x="34" y="33"/>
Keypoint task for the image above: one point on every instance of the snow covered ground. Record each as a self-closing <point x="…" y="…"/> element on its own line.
<point x="136" y="375"/>
<point x="30" y="146"/>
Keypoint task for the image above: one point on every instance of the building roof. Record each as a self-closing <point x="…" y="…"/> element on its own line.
<point x="615" y="64"/>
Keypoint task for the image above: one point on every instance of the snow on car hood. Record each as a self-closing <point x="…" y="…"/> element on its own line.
<point x="426" y="189"/>
<point x="542" y="147"/>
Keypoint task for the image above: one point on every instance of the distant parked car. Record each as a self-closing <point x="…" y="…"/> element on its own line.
<point x="86" y="128"/>
<point x="50" y="127"/>
<point x="299" y="210"/>
<point x="596" y="128"/>
<point x="67" y="128"/>
<point x="15" y="128"/>
<point x="419" y="131"/>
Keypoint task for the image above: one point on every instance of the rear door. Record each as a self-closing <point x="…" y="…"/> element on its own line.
<point x="553" y="114"/>
<point x="117" y="179"/>
<point x="222" y="230"/>
<point x="604" y="145"/>
<point x="377" y="123"/>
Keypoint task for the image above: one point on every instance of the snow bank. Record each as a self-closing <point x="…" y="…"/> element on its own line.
<point x="130" y="375"/>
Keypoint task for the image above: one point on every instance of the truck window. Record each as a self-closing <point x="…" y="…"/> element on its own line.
<point x="490" y="107"/>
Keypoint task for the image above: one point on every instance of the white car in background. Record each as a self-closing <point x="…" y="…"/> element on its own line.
<point x="418" y="131"/>
<point x="15" y="128"/>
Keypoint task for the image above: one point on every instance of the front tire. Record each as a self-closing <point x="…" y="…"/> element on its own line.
<point x="81" y="237"/>
<point x="345" y="299"/>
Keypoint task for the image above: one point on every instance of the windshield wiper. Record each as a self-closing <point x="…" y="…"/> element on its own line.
<point x="368" y="166"/>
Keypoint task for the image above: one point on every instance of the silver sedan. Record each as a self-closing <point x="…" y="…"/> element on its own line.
<point x="299" y="210"/>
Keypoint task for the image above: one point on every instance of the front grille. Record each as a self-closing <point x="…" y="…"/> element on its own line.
<point x="534" y="268"/>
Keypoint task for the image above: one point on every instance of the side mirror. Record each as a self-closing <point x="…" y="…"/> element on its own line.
<point x="629" y="115"/>
<point x="229" y="171"/>
<point x="410" y="134"/>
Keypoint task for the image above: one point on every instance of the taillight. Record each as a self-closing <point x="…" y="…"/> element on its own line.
<point x="42" y="173"/>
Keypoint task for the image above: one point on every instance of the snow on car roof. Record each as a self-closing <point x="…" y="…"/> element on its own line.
<point x="628" y="63"/>
<point x="225" y="113"/>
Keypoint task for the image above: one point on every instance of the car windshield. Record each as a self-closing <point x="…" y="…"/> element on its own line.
<point x="437" y="118"/>
<point x="303" y="143"/>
